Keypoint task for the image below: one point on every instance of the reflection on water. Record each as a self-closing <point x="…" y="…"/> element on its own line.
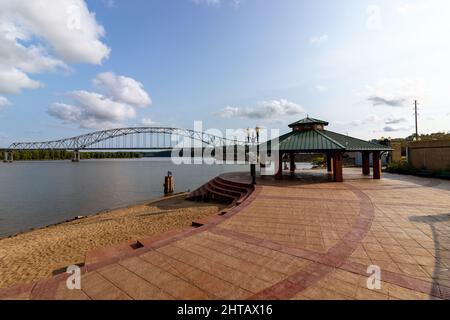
<point x="35" y="194"/>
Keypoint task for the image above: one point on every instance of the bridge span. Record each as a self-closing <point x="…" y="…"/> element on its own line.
<point x="132" y="138"/>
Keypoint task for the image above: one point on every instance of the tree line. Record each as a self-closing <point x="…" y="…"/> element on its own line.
<point x="27" y="155"/>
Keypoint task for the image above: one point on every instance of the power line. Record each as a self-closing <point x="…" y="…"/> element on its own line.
<point x="415" y="115"/>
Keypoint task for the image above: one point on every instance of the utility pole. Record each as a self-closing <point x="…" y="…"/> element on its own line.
<point x="415" y="114"/>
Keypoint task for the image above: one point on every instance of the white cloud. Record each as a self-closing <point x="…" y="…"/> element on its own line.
<point x="395" y="120"/>
<point x="123" y="89"/>
<point x="396" y="129"/>
<point x="373" y="21"/>
<point x="44" y="36"/>
<point x="216" y="3"/>
<point x="92" y="110"/>
<point x="101" y="107"/>
<point x="148" y="122"/>
<point x="66" y="112"/>
<point x="388" y="124"/>
<point x="409" y="8"/>
<point x="318" y="40"/>
<point x="391" y="122"/>
<point x="395" y="92"/>
<point x="116" y="105"/>
<point x="264" y="110"/>
<point x="321" y="88"/>
<point x="4" y="102"/>
<point x="13" y="80"/>
<point x="207" y="2"/>
<point x="110" y="3"/>
<point x="236" y="3"/>
<point x="370" y="119"/>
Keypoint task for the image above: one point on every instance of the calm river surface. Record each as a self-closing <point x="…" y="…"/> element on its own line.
<point x="39" y="193"/>
<point x="36" y="194"/>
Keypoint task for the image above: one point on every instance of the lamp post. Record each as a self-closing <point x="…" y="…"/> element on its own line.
<point x="254" y="139"/>
<point x="257" y="129"/>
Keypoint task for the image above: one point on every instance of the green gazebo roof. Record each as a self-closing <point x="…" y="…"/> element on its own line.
<point x="316" y="140"/>
<point x="308" y="120"/>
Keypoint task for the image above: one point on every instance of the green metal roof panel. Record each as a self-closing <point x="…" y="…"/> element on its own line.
<point x="354" y="144"/>
<point x="312" y="140"/>
<point x="322" y="140"/>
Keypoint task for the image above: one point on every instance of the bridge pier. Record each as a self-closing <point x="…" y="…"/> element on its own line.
<point x="8" y="156"/>
<point x="76" y="156"/>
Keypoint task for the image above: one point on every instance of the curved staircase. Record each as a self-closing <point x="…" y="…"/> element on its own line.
<point x="220" y="189"/>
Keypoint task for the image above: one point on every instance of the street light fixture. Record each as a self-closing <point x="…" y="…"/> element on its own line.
<point x="258" y="130"/>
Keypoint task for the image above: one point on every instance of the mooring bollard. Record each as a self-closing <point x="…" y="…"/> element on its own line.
<point x="168" y="183"/>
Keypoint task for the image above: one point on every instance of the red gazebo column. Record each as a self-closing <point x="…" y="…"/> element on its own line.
<point x="337" y="167"/>
<point x="329" y="162"/>
<point x="376" y="165"/>
<point x="279" y="174"/>
<point x="292" y="162"/>
<point x="366" y="163"/>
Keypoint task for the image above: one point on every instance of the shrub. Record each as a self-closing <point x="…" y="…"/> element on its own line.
<point x="400" y="167"/>
<point x="319" y="161"/>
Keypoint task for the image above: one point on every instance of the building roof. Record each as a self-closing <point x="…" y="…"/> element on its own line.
<point x="355" y="144"/>
<point x="308" y="141"/>
<point x="322" y="140"/>
<point x="308" y="120"/>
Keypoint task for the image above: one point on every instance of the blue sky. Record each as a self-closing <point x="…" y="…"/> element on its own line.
<point x="233" y="64"/>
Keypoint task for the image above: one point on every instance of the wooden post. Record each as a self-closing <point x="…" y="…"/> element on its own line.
<point x="337" y="167"/>
<point x="279" y="174"/>
<point x="329" y="162"/>
<point x="292" y="163"/>
<point x="376" y="165"/>
<point x="168" y="184"/>
<point x="366" y="163"/>
<point x="253" y="173"/>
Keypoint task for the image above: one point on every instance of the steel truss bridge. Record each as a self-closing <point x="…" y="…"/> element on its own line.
<point x="135" y="138"/>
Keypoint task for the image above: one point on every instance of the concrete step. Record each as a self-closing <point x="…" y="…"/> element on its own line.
<point x="222" y="189"/>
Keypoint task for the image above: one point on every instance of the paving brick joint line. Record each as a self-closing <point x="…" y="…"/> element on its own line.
<point x="334" y="258"/>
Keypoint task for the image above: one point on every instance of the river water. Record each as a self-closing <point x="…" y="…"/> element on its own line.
<point x="39" y="193"/>
<point x="35" y="194"/>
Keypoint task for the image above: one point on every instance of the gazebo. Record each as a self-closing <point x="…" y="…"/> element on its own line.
<point x="309" y="136"/>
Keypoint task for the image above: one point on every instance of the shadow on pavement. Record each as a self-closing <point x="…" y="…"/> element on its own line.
<point x="441" y="237"/>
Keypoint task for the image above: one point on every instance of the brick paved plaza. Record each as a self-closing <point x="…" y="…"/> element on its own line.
<point x="293" y="239"/>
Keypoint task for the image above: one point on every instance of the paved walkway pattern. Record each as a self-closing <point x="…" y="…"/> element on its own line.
<point x="289" y="240"/>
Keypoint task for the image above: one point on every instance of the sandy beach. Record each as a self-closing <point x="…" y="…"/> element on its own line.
<point x="35" y="255"/>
